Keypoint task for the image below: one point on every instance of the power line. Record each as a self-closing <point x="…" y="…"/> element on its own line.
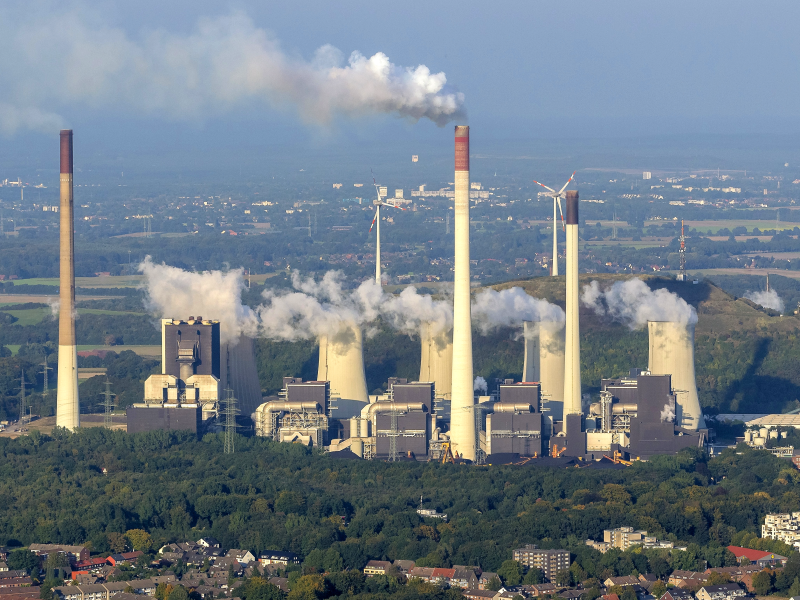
<point x="45" y="370"/>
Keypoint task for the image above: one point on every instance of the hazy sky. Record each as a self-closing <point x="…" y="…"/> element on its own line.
<point x="525" y="68"/>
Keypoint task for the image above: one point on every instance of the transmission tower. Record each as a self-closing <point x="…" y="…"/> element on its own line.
<point x="682" y="274"/>
<point x="108" y="405"/>
<point x="22" y="398"/>
<point x="230" y="413"/>
<point x="44" y="371"/>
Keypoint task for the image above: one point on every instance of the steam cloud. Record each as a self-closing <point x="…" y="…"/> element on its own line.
<point x="480" y="385"/>
<point x="60" y="60"/>
<point x="174" y="293"/>
<point x="509" y="308"/>
<point x="634" y="303"/>
<point x="768" y="299"/>
<point x="667" y="413"/>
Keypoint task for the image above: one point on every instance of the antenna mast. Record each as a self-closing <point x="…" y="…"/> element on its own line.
<point x="22" y="398"/>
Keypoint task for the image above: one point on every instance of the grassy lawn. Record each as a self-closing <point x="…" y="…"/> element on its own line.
<point x="88" y="282"/>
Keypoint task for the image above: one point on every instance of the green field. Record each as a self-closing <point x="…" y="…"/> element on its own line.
<point x="714" y="226"/>
<point x="34" y="316"/>
<point x="89" y="282"/>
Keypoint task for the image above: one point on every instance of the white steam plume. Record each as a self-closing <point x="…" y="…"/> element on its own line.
<point x="480" y="385"/>
<point x="768" y="299"/>
<point x="57" y="59"/>
<point x="174" y="293"/>
<point x="322" y="308"/>
<point x="634" y="303"/>
<point x="668" y="413"/>
<point x="509" y="308"/>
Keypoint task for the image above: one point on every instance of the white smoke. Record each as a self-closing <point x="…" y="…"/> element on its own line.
<point x="61" y="58"/>
<point x="668" y="413"/>
<point x="509" y="308"/>
<point x="768" y="299"/>
<point x="174" y="293"/>
<point x="480" y="385"/>
<point x="634" y="303"/>
<point x="322" y="308"/>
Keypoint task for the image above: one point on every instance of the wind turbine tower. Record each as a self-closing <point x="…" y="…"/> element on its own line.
<point x="556" y="196"/>
<point x="376" y="222"/>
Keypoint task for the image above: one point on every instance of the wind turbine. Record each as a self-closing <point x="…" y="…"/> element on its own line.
<point x="556" y="195"/>
<point x="377" y="219"/>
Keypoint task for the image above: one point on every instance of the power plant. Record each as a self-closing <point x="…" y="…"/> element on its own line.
<point x="436" y="417"/>
<point x="68" y="403"/>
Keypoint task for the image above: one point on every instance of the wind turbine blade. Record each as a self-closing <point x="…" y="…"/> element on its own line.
<point x="563" y="226"/>
<point x="561" y="191"/>
<point x="373" y="221"/>
<point x="544" y="186"/>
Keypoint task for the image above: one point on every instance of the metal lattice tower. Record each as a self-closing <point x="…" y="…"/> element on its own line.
<point x="393" y="433"/>
<point x="44" y="371"/>
<point x="108" y="405"/>
<point x="22" y="398"/>
<point x="230" y="413"/>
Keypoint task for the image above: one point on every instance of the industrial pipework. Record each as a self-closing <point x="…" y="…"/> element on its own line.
<point x="67" y="401"/>
<point x="462" y="407"/>
<point x="267" y="414"/>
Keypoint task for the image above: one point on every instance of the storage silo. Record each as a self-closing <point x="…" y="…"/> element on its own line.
<point x="341" y="362"/>
<point x="436" y="362"/>
<point x="672" y="353"/>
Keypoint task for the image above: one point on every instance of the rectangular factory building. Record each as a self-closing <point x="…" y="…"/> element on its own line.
<point x="415" y="392"/>
<point x="170" y="418"/>
<point x="412" y="434"/>
<point x="178" y="338"/>
<point x="516" y="425"/>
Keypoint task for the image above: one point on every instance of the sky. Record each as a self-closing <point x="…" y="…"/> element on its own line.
<point x="197" y="75"/>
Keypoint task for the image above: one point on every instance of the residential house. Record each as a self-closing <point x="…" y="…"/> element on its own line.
<point x="244" y="557"/>
<point x="128" y="596"/>
<point x="377" y="567"/>
<point x="208" y="542"/>
<point x="621" y="581"/>
<point x="687" y="579"/>
<point x="540" y="589"/>
<point x="758" y="557"/>
<point x="549" y="561"/>
<point x="464" y="578"/>
<point x="676" y="594"/>
<point x="609" y="597"/>
<point x="15" y="582"/>
<point x="125" y="558"/>
<point x="280" y="582"/>
<point x="726" y="591"/>
<point x="571" y="594"/>
<point x="442" y="576"/>
<point x="76" y="553"/>
<point x="423" y="573"/>
<point x="3" y="566"/>
<point x="278" y="557"/>
<point x="485" y="578"/>
<point x="404" y="566"/>
<point x="647" y="577"/>
<point x="738" y="573"/>
<point x="478" y="594"/>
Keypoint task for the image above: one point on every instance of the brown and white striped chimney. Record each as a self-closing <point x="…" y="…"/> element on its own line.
<point x="68" y="406"/>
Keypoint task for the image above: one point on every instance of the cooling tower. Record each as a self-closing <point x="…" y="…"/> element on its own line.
<point x="437" y="360"/>
<point x="239" y="373"/>
<point x="341" y="362"/>
<point x="572" y="342"/>
<point x="544" y="357"/>
<point x="67" y="403"/>
<point x="672" y="353"/>
<point x="462" y="406"/>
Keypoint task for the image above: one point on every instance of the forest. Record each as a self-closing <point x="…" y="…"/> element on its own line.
<point x="79" y="487"/>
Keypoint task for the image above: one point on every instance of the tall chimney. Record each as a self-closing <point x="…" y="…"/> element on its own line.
<point x="462" y="406"/>
<point x="572" y="346"/>
<point x="68" y="407"/>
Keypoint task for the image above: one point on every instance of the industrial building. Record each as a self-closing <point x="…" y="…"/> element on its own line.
<point x="516" y="423"/>
<point x="300" y="415"/>
<point x="551" y="562"/>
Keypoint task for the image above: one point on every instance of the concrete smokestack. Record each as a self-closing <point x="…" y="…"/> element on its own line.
<point x="436" y="363"/>
<point x="672" y="353"/>
<point x="341" y="362"/>
<point x="68" y="407"/>
<point x="544" y="358"/>
<point x="462" y="407"/>
<point x="572" y="345"/>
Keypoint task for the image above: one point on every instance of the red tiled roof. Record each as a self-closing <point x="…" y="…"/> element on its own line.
<point x="444" y="573"/>
<point x="748" y="553"/>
